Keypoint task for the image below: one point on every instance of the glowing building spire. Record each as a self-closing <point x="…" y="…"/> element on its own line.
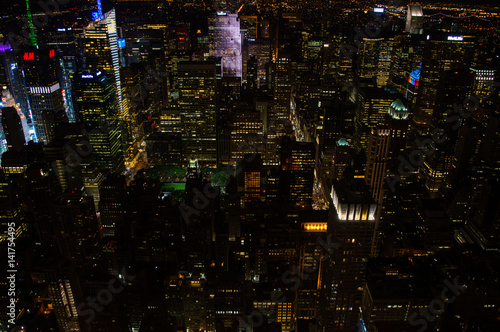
<point x="99" y="9"/>
<point x="32" y="34"/>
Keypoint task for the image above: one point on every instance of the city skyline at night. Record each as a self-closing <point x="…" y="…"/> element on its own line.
<point x="250" y="166"/>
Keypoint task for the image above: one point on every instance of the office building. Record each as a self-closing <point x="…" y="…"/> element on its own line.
<point x="100" y="50"/>
<point x="351" y="223"/>
<point x="45" y="96"/>
<point x="12" y="128"/>
<point x="98" y="110"/>
<point x="197" y="106"/>
<point x="414" y="19"/>
<point x="225" y="35"/>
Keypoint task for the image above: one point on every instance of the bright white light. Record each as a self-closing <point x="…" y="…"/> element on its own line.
<point x="455" y="38"/>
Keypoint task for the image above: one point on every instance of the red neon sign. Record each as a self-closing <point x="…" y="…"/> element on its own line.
<point x="51" y="53"/>
<point x="181" y="38"/>
<point x="29" y="56"/>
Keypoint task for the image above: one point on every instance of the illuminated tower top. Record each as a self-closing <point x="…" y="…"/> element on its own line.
<point x="32" y="34"/>
<point x="398" y="110"/>
<point x="99" y="10"/>
<point x="414" y="19"/>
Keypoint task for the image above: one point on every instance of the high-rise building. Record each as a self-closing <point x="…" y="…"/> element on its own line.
<point x="112" y="193"/>
<point x="374" y="59"/>
<point x="351" y="223"/>
<point x="371" y="107"/>
<point x="442" y="53"/>
<point x="99" y="42"/>
<point x="197" y="105"/>
<point x="226" y="42"/>
<point x="96" y="100"/>
<point x="13" y="128"/>
<point x="297" y="166"/>
<point x="483" y="81"/>
<point x="45" y="97"/>
<point x="282" y="86"/>
<point x="14" y="81"/>
<point x="261" y="50"/>
<point x="246" y="134"/>
<point x="406" y="61"/>
<point x="414" y="19"/>
<point x="375" y="174"/>
<point x="376" y="161"/>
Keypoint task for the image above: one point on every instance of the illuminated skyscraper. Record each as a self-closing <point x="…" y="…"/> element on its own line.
<point x="226" y="42"/>
<point x="45" y="97"/>
<point x="483" y="81"/>
<point x="100" y="51"/>
<point x="371" y="107"/>
<point x="246" y="134"/>
<point x="95" y="97"/>
<point x="13" y="80"/>
<point x="374" y="59"/>
<point x="282" y="89"/>
<point x="351" y="223"/>
<point x="414" y="19"/>
<point x="197" y="91"/>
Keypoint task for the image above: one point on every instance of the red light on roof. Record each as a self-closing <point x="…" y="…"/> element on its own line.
<point x="51" y="53"/>
<point x="29" y="56"/>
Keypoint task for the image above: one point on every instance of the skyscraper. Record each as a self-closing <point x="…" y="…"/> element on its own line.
<point x="100" y="50"/>
<point x="297" y="166"/>
<point x="374" y="59"/>
<point x="13" y="128"/>
<point x="96" y="100"/>
<point x="226" y="38"/>
<point x="351" y="223"/>
<point x="197" y="91"/>
<point x="414" y="19"/>
<point x="376" y="163"/>
<point x="442" y="53"/>
<point x="45" y="97"/>
<point x="371" y="107"/>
